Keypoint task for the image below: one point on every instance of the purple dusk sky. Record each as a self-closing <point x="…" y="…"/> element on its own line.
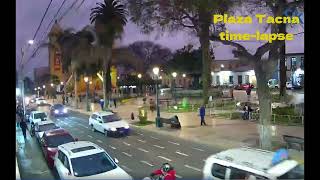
<point x="29" y="14"/>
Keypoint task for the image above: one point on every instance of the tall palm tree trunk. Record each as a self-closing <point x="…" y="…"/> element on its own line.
<point x="107" y="79"/>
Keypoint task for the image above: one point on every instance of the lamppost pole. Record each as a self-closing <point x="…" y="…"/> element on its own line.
<point x="174" y="74"/>
<point x="158" y="122"/>
<point x="140" y="89"/>
<point x="86" y="79"/>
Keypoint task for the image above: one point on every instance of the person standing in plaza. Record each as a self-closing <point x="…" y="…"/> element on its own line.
<point x="202" y="113"/>
<point x="24" y="127"/>
<point x="248" y="91"/>
<point x="115" y="103"/>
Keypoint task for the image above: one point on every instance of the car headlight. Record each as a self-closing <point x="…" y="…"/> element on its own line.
<point x="65" y="110"/>
<point x="126" y="126"/>
<point x="113" y="129"/>
<point x="56" y="111"/>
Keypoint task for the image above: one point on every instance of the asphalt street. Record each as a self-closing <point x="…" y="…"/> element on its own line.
<point x="138" y="154"/>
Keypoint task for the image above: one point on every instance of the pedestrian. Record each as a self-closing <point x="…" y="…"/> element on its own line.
<point x="101" y="103"/>
<point x="202" y="113"/>
<point x="132" y="116"/>
<point x="246" y="112"/>
<point x="18" y="119"/>
<point x="67" y="99"/>
<point x="115" y="103"/>
<point x="63" y="99"/>
<point x="248" y="91"/>
<point x="24" y="127"/>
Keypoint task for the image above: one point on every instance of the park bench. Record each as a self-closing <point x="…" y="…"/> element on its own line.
<point x="173" y="122"/>
<point x="293" y="142"/>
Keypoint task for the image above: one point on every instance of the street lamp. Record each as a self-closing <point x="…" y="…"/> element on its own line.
<point x="184" y="75"/>
<point x="51" y="84"/>
<point x="140" y="88"/>
<point x="174" y="75"/>
<point x="86" y="79"/>
<point x="61" y="83"/>
<point x="21" y="74"/>
<point x="44" y="90"/>
<point x="156" y="73"/>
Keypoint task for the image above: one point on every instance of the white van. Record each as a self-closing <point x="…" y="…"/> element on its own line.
<point x="249" y="163"/>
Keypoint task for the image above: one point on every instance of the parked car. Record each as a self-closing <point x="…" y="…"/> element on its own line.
<point x="243" y="86"/>
<point x="41" y="101"/>
<point x="86" y="160"/>
<point x="42" y="126"/>
<point x="289" y="85"/>
<point x="249" y="163"/>
<point x="273" y="83"/>
<point x="50" y="141"/>
<point x="37" y="116"/>
<point x="108" y="123"/>
<point x="58" y="110"/>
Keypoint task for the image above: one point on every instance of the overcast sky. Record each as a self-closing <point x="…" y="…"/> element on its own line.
<point x="29" y="14"/>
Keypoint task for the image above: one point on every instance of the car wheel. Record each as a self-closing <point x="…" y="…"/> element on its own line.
<point x="92" y="128"/>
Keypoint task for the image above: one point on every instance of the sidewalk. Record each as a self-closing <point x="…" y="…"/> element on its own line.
<point x="219" y="132"/>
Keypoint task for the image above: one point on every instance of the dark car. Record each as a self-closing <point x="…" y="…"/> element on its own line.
<point x="58" y="110"/>
<point x="51" y="140"/>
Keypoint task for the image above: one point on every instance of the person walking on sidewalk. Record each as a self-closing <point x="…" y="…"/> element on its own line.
<point x="63" y="98"/>
<point x="115" y="103"/>
<point x="17" y="119"/>
<point x="101" y="103"/>
<point x="24" y="127"/>
<point x="248" y="91"/>
<point x="202" y="114"/>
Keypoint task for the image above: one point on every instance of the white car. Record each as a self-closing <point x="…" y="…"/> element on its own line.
<point x="108" y="123"/>
<point x="249" y="163"/>
<point x="86" y="160"/>
<point x="37" y="116"/>
<point x="42" y="126"/>
<point x="41" y="101"/>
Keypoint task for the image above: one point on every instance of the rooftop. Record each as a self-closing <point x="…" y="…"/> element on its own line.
<point x="80" y="148"/>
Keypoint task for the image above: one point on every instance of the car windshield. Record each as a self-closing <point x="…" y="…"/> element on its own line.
<point x="58" y="106"/>
<point x="111" y="118"/>
<point x="47" y="127"/>
<point x="295" y="173"/>
<point x="55" y="141"/>
<point x="40" y="115"/>
<point x="92" y="164"/>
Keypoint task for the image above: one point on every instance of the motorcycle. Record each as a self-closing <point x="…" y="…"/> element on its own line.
<point x="156" y="177"/>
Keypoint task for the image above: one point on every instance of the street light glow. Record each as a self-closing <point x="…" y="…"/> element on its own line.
<point x="139" y="76"/>
<point x="155" y="70"/>
<point x="61" y="83"/>
<point x="90" y="82"/>
<point x="51" y="84"/>
<point x="44" y="86"/>
<point x="160" y="77"/>
<point x="39" y="88"/>
<point x="211" y="73"/>
<point x="118" y="77"/>
<point x="35" y="89"/>
<point x="183" y="75"/>
<point x="174" y="74"/>
<point x="30" y="41"/>
<point x="222" y="65"/>
<point x="86" y="79"/>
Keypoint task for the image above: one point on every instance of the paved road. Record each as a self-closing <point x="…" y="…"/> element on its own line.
<point x="142" y="151"/>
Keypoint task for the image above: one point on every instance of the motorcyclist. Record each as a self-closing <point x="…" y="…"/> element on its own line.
<point x="166" y="171"/>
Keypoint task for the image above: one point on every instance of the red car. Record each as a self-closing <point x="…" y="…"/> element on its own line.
<point x="51" y="140"/>
<point x="243" y="86"/>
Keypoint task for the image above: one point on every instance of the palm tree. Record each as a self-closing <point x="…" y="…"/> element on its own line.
<point x="109" y="19"/>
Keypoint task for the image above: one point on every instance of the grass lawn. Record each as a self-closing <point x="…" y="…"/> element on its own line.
<point x="144" y="123"/>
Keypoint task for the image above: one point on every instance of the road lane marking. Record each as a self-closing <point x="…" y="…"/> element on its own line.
<point x="158" y="146"/>
<point x="99" y="141"/>
<point x="140" y="134"/>
<point x="178" y="176"/>
<point x="173" y="143"/>
<point x="198" y="149"/>
<point x="141" y="140"/>
<point x="112" y="147"/>
<point x="191" y="167"/>
<point x="154" y="137"/>
<point x="145" y="162"/>
<point x="127" y="154"/>
<point x="164" y="158"/>
<point x="126" y="144"/>
<point x="126" y="168"/>
<point x="183" y="154"/>
<point x="143" y="150"/>
<point x="90" y="136"/>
